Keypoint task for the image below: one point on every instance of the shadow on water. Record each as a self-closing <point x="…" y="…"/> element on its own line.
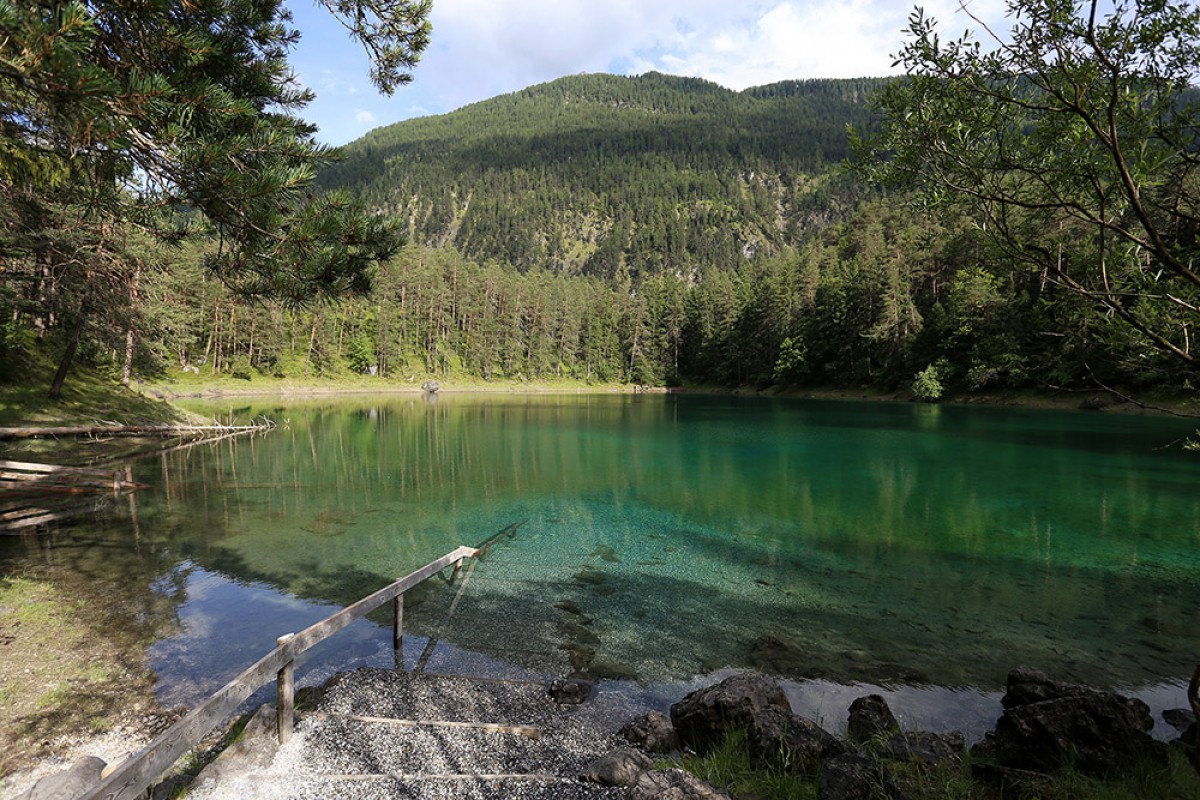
<point x="669" y="537"/>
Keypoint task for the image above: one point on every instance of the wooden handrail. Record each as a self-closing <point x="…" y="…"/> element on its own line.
<point x="131" y="778"/>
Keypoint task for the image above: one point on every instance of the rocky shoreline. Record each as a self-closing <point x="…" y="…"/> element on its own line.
<point x="377" y="733"/>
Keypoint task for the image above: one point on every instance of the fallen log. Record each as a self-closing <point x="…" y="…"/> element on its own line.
<point x="25" y="432"/>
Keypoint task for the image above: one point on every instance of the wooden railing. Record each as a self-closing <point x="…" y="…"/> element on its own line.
<point x="131" y="778"/>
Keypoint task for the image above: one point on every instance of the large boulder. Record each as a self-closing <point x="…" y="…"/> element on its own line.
<point x="706" y="716"/>
<point x="1047" y="725"/>
<point x="783" y="740"/>
<point x="871" y="719"/>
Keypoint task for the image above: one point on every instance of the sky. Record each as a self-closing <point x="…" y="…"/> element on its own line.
<point x="483" y="48"/>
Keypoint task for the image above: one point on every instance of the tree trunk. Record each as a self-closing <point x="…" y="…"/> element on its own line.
<point x="68" y="358"/>
<point x="127" y="372"/>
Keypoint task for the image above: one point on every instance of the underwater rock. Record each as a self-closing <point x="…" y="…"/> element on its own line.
<point x="780" y="656"/>
<point x="871" y="718"/>
<point x="580" y="655"/>
<point x="704" y="718"/>
<point x="653" y="732"/>
<point x="578" y="633"/>
<point x="569" y="607"/>
<point x="619" y="768"/>
<point x="606" y="553"/>
<point x="590" y="576"/>
<point x="1047" y="725"/>
<point x="780" y="739"/>
<point x="602" y="669"/>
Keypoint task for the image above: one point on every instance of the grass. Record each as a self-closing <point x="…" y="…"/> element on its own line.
<point x="731" y="767"/>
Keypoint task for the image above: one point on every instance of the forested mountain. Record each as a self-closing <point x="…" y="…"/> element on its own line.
<point x="606" y="175"/>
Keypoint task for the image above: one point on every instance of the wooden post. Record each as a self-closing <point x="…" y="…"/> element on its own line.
<point x="398" y="631"/>
<point x="285" y="685"/>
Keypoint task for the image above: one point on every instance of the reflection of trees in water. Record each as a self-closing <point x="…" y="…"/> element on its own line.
<point x="881" y="549"/>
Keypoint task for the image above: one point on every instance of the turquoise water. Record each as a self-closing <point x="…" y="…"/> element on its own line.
<point x="924" y="548"/>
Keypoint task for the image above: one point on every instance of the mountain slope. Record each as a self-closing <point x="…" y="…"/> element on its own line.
<point x="604" y="175"/>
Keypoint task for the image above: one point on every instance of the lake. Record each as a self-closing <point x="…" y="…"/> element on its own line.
<point x="922" y="550"/>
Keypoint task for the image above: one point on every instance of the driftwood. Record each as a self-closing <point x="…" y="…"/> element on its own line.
<point x="26" y="432"/>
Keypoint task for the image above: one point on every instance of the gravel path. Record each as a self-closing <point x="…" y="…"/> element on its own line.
<point x="333" y="756"/>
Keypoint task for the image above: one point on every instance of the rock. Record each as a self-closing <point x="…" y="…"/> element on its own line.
<point x="254" y="749"/>
<point x="1047" y="725"/>
<point x="780" y="656"/>
<point x="673" y="784"/>
<point x="570" y="691"/>
<point x="1179" y="718"/>
<point x="618" y="768"/>
<point x="605" y="670"/>
<point x="578" y="633"/>
<point x="1092" y="404"/>
<point x="72" y="782"/>
<point x="652" y="732"/>
<point x="431" y="387"/>
<point x="925" y="747"/>
<point x="1010" y="781"/>
<point x="782" y="740"/>
<point x="569" y="607"/>
<point x="706" y="716"/>
<point x="580" y="655"/>
<point x="854" y="776"/>
<point x="871" y="718"/>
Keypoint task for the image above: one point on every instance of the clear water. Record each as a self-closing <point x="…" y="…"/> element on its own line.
<point x="923" y="549"/>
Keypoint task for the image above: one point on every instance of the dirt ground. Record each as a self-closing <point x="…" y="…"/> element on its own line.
<point x="67" y="677"/>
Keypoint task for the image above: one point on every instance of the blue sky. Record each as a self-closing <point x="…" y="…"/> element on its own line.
<point x="482" y="48"/>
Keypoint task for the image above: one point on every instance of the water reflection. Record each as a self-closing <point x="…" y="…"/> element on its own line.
<point x="927" y="549"/>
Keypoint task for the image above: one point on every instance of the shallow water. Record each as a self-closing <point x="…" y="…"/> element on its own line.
<point x="922" y="549"/>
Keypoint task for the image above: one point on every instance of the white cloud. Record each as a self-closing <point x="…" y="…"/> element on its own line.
<point x="482" y="48"/>
<point x="364" y="117"/>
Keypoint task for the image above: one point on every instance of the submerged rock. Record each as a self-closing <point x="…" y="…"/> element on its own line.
<point x="606" y="553"/>
<point x="780" y="656"/>
<point x="706" y="716"/>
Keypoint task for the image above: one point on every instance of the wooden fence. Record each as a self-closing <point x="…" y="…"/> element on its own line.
<point x="131" y="778"/>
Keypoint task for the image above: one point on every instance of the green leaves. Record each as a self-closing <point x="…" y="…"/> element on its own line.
<point x="1073" y="122"/>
